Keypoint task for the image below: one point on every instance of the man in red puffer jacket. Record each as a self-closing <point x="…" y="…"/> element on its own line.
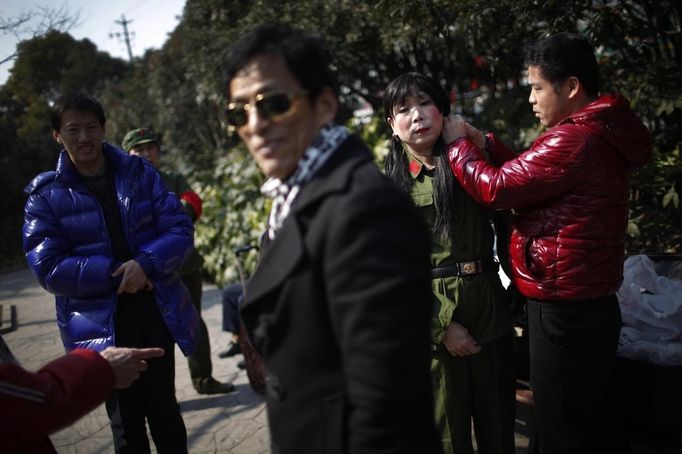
<point x="570" y="196"/>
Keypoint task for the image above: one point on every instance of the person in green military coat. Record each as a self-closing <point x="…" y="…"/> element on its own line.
<point x="472" y="367"/>
<point x="144" y="142"/>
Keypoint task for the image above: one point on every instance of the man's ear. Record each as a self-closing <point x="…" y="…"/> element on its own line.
<point x="326" y="106"/>
<point x="574" y="87"/>
<point x="56" y="137"/>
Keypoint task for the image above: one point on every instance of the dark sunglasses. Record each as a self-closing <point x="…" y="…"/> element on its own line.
<point x="271" y="106"/>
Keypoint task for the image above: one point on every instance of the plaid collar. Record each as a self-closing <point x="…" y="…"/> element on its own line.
<point x="284" y="193"/>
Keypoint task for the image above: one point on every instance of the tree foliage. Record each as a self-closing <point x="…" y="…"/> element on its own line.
<point x="45" y="67"/>
<point x="641" y="56"/>
<point x="473" y="47"/>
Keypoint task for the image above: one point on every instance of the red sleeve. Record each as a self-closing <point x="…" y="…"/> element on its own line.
<point x="36" y="404"/>
<point x="499" y="152"/>
<point x="551" y="167"/>
<point x="193" y="199"/>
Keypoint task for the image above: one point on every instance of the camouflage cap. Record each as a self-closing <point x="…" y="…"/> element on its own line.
<point x="138" y="136"/>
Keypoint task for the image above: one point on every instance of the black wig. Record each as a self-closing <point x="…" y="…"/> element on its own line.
<point x="396" y="164"/>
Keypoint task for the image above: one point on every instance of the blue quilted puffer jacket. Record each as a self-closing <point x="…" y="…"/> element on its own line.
<point x="68" y="248"/>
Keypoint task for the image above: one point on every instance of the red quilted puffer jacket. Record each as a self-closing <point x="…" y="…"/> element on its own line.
<point x="569" y="192"/>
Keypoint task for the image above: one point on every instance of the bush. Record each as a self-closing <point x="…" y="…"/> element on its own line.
<point x="234" y="215"/>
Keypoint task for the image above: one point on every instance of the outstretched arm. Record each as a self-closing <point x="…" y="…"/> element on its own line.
<point x="128" y="363"/>
<point x="51" y="398"/>
<point x="548" y="169"/>
<point x="36" y="404"/>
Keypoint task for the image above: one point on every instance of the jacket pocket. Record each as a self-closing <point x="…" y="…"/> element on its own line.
<point x="551" y="327"/>
<point x="562" y="323"/>
<point x="528" y="254"/>
<point x="86" y="319"/>
<point x="423" y="199"/>
<point x="540" y="257"/>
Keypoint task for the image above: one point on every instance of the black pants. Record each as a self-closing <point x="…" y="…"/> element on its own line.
<point x="233" y="296"/>
<point x="478" y="388"/>
<point x="152" y="396"/>
<point x="199" y="362"/>
<point x="572" y="358"/>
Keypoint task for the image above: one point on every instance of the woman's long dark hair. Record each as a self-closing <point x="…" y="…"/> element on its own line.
<point x="396" y="164"/>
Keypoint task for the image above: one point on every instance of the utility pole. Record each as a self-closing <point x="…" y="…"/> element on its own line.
<point x="125" y="35"/>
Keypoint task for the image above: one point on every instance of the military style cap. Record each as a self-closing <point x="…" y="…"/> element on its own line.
<point x="138" y="136"/>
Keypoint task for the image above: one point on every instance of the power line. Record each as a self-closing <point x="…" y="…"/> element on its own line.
<point x="149" y="9"/>
<point x="136" y="6"/>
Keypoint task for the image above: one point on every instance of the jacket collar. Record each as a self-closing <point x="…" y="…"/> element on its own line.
<point x="119" y="159"/>
<point x="611" y="118"/>
<point x="596" y="107"/>
<point x="283" y="254"/>
<point x="334" y="176"/>
<point x="415" y="167"/>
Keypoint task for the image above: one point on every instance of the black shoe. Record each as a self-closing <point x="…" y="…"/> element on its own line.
<point x="241" y="364"/>
<point x="212" y="386"/>
<point x="233" y="349"/>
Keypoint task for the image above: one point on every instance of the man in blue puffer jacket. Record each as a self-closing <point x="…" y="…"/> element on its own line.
<point x="105" y="236"/>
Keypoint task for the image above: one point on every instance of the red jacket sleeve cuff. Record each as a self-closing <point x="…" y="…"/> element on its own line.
<point x="193" y="199"/>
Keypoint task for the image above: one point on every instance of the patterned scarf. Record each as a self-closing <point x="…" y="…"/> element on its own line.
<point x="284" y="193"/>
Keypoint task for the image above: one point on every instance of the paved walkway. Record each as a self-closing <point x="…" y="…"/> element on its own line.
<point x="234" y="423"/>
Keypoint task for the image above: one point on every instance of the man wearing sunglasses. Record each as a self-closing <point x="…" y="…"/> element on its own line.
<point x="335" y="305"/>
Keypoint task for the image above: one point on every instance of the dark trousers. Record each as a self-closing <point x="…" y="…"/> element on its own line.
<point x="199" y="362"/>
<point x="572" y="358"/>
<point x="481" y="388"/>
<point x="152" y="396"/>
<point x="233" y="295"/>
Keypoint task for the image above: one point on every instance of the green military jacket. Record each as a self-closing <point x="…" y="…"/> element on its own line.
<point x="178" y="184"/>
<point x="477" y="302"/>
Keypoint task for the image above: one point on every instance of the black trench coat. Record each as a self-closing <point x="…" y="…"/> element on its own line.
<point x="340" y="309"/>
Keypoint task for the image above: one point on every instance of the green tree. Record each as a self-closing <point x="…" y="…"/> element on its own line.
<point x="474" y="47"/>
<point x="641" y="57"/>
<point x="45" y="67"/>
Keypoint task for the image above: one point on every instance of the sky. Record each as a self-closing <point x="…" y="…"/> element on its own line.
<point x="150" y="20"/>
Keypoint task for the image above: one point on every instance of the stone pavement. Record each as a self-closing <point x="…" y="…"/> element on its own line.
<point x="234" y="423"/>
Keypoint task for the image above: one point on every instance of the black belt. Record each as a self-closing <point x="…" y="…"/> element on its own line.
<point x="465" y="268"/>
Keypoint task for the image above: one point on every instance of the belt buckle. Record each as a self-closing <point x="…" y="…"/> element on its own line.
<point x="468" y="268"/>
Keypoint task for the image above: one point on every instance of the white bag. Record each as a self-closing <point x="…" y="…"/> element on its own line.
<point x="651" y="306"/>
